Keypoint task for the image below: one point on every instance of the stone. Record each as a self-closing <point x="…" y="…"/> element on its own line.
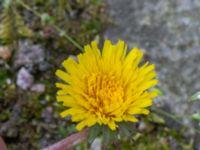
<point x="47" y="114"/>
<point x="142" y="126"/>
<point x="38" y="88"/>
<point x="96" y="144"/>
<point x="5" y="53"/>
<point x="24" y="79"/>
<point x="29" y="55"/>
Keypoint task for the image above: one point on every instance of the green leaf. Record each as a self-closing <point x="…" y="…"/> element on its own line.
<point x="3" y="76"/>
<point x="156" y="118"/>
<point x="23" y="29"/>
<point x="46" y="19"/>
<point x="62" y="33"/>
<point x="196" y="116"/>
<point x="7" y="26"/>
<point x="71" y="128"/>
<point x="109" y="136"/>
<point x="137" y="136"/>
<point x="94" y="132"/>
<point x="6" y="4"/>
<point x="125" y="129"/>
<point x="106" y="136"/>
<point x="195" y="97"/>
<point x="159" y="91"/>
<point x="62" y="131"/>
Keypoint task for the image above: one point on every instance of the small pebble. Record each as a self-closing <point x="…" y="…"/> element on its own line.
<point x="96" y="144"/>
<point x="8" y="81"/>
<point x="38" y="88"/>
<point x="5" y="53"/>
<point x="24" y="79"/>
<point x="142" y="126"/>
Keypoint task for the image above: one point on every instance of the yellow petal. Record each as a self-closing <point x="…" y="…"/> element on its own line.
<point x="130" y="118"/>
<point x="88" y="122"/>
<point x="72" y="111"/>
<point x="112" y="125"/>
<point x="148" y="84"/>
<point x="120" y="51"/>
<point x="131" y="63"/>
<point x="134" y="111"/>
<point x="64" y="76"/>
<point x="81" y="125"/>
<point x="142" y="103"/>
<point x="67" y="100"/>
<point x="106" y="52"/>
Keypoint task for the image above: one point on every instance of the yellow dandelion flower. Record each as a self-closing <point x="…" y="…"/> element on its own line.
<point x="106" y="87"/>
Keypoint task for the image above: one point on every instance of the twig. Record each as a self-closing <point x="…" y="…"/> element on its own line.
<point x="2" y="144"/>
<point x="69" y="142"/>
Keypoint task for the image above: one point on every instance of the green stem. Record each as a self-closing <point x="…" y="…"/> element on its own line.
<point x="62" y="32"/>
<point x="68" y="37"/>
<point x="28" y="8"/>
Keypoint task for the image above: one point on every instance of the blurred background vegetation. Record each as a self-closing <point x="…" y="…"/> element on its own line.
<point x="35" y="37"/>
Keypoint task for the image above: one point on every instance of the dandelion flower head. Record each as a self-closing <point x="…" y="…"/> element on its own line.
<point x="106" y="87"/>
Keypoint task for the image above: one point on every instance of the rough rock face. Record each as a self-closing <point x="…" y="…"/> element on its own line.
<point x="169" y="32"/>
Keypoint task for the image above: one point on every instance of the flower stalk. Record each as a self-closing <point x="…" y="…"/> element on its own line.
<point x="70" y="141"/>
<point x="2" y="144"/>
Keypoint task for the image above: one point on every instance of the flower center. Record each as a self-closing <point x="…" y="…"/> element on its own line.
<point x="105" y="93"/>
